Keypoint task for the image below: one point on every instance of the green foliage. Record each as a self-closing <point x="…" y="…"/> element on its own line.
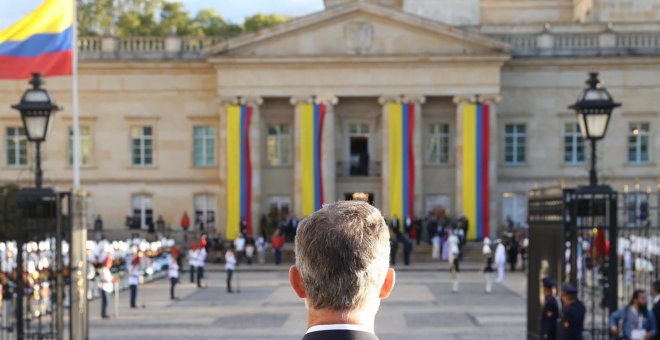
<point x="261" y="21"/>
<point x="159" y="18"/>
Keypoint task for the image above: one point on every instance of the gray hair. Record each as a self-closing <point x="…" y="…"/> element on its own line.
<point x="342" y="254"/>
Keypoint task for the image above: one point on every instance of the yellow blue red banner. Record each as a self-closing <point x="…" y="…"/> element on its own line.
<point x="476" y="181"/>
<point x="402" y="160"/>
<point x="239" y="170"/>
<point x="311" y="160"/>
<point x="40" y="42"/>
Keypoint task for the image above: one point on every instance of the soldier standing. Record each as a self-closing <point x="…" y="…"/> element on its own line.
<point x="550" y="310"/>
<point x="573" y="312"/>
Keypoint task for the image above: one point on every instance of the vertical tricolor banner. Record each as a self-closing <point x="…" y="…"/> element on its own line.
<point x="311" y="136"/>
<point x="476" y="148"/>
<point x="402" y="160"/>
<point x="40" y="42"/>
<point x="239" y="170"/>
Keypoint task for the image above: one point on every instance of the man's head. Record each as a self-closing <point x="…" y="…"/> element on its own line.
<point x="656" y="288"/>
<point x="638" y="299"/>
<point x="342" y="259"/>
<point x="568" y="294"/>
<point x="549" y="285"/>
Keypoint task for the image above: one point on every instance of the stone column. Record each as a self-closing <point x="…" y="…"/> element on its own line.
<point x="460" y="102"/>
<point x="327" y="149"/>
<point x="255" y="158"/>
<point x="385" y="101"/>
<point x="494" y="201"/>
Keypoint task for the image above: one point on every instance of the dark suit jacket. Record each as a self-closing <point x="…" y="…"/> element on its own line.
<point x="339" y="335"/>
<point x="656" y="315"/>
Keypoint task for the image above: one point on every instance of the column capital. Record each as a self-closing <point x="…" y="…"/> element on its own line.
<point x="464" y="99"/>
<point x="239" y="100"/>
<point x="404" y="98"/>
<point x="493" y="98"/>
<point x="297" y="100"/>
<point x="328" y="99"/>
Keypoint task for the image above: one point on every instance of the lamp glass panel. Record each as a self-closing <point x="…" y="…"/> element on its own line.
<point x="583" y="126"/>
<point x="597" y="123"/>
<point x="36" y="127"/>
<point x="36" y="96"/>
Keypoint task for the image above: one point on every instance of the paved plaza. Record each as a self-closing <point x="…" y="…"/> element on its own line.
<point x="422" y="306"/>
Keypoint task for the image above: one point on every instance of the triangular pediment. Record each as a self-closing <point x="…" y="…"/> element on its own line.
<point x="360" y="29"/>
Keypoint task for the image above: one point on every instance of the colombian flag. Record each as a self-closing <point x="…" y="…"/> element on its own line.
<point x="239" y="170"/>
<point x="40" y="42"/>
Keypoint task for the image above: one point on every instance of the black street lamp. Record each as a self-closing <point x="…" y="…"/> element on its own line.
<point x="594" y="107"/>
<point x="36" y="107"/>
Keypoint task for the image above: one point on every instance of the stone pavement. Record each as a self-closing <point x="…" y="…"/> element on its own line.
<point x="422" y="306"/>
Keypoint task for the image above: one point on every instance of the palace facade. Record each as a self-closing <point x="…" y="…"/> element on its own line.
<point x="155" y="120"/>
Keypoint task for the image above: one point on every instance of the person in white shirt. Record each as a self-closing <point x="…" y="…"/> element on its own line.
<point x="173" y="273"/>
<point x="343" y="281"/>
<point x="454" y="258"/>
<point x="239" y="245"/>
<point x="500" y="260"/>
<point x="106" y="285"/>
<point x="230" y="265"/>
<point x="201" y="262"/>
<point x="192" y="261"/>
<point x="134" y="272"/>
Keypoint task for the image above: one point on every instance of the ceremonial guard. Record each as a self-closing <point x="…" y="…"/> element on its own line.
<point x="192" y="261"/>
<point x="550" y="311"/>
<point x="454" y="259"/>
<point x="230" y="265"/>
<point x="135" y="270"/>
<point x="573" y="313"/>
<point x="107" y="285"/>
<point x="173" y="273"/>
<point x="201" y="262"/>
<point x="488" y="265"/>
<point x="500" y="260"/>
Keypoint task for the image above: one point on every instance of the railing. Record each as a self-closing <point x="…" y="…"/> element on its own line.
<point x="356" y="169"/>
<point x="578" y="39"/>
<point x="525" y="41"/>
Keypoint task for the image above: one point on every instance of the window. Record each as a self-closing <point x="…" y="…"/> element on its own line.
<point x="573" y="144"/>
<point x="16" y="147"/>
<point x="205" y="211"/>
<point x="514" y="209"/>
<point x="279" y="144"/>
<point x="438" y="144"/>
<point x="638" y="143"/>
<point x="142" y="146"/>
<point x="358" y="129"/>
<point x="637" y="209"/>
<point x="515" y="138"/>
<point x="85" y="146"/>
<point x="143" y="213"/>
<point x="204" y="146"/>
<point x="279" y="205"/>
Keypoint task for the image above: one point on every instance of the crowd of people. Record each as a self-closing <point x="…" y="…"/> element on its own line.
<point x="564" y="317"/>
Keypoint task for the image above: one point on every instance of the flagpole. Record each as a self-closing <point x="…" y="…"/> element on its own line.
<point x="74" y="89"/>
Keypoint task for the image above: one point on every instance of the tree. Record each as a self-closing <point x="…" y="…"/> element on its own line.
<point x="211" y="23"/>
<point x="261" y="21"/>
<point x="175" y="19"/>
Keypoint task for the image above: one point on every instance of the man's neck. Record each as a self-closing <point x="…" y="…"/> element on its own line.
<point x="318" y="317"/>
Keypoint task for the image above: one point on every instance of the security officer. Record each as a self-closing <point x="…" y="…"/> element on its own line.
<point x="573" y="312"/>
<point x="550" y="311"/>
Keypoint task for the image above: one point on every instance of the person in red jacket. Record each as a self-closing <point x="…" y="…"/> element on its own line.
<point x="277" y="243"/>
<point x="185" y="224"/>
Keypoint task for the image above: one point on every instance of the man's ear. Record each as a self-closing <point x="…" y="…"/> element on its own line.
<point x="296" y="282"/>
<point x="388" y="284"/>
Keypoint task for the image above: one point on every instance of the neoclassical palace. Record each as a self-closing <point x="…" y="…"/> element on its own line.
<point x="417" y="104"/>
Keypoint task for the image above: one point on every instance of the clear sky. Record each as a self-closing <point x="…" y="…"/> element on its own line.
<point x="234" y="10"/>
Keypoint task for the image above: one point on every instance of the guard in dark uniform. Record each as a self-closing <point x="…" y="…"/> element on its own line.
<point x="550" y="310"/>
<point x="573" y="312"/>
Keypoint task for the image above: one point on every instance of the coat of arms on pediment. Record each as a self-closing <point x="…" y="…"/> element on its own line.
<point x="359" y="36"/>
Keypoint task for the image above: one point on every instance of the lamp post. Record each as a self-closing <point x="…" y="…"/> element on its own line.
<point x="593" y="108"/>
<point x="36" y="107"/>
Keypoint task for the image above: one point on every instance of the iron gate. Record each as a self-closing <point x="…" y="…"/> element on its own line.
<point x="611" y="247"/>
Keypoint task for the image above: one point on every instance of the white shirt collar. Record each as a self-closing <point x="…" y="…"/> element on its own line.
<point x="656" y="299"/>
<point x="346" y="327"/>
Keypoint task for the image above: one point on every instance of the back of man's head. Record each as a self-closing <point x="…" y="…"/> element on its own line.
<point x="342" y="255"/>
